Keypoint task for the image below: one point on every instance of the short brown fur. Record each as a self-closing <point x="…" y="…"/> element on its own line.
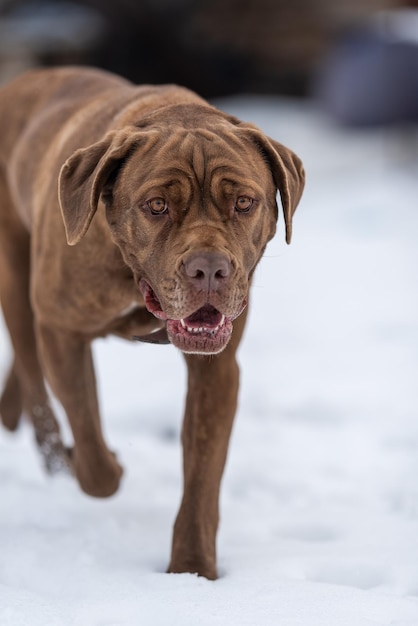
<point x="85" y="157"/>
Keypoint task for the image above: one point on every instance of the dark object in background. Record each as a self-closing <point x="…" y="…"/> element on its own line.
<point x="214" y="47"/>
<point x="168" y="41"/>
<point x="147" y="42"/>
<point x="370" y="77"/>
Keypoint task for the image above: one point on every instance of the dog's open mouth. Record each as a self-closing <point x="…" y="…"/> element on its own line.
<point x="206" y="331"/>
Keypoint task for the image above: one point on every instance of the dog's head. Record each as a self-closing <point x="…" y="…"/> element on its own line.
<point x="190" y="198"/>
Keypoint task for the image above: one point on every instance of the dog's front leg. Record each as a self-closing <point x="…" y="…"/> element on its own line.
<point x="68" y="365"/>
<point x="210" y="409"/>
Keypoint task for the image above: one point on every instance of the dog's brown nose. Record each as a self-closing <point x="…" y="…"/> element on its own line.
<point x="207" y="270"/>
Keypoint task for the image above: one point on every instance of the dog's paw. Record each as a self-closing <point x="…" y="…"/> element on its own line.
<point x="201" y="567"/>
<point x="97" y="476"/>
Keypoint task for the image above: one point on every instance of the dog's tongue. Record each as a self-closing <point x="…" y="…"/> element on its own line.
<point x="207" y="317"/>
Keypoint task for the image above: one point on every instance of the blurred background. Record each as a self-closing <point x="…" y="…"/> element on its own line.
<point x="364" y="49"/>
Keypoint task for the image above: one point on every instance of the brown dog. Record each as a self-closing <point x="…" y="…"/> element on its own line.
<point x="167" y="205"/>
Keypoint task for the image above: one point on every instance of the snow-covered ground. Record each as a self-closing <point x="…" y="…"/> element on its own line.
<point x="319" y="521"/>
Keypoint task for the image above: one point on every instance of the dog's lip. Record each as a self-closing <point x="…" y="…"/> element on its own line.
<point x="200" y="339"/>
<point x="205" y="331"/>
<point x="151" y="300"/>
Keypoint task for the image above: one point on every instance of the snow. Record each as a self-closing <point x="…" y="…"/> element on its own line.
<point x="319" y="523"/>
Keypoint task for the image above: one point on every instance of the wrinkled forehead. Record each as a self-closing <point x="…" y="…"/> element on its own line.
<point x="207" y="156"/>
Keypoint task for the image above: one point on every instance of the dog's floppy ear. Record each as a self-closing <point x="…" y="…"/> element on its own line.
<point x="287" y="169"/>
<point x="84" y="176"/>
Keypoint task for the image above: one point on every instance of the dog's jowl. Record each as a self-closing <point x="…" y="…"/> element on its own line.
<point x="140" y="212"/>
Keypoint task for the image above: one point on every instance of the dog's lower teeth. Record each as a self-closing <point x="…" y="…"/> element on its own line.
<point x="201" y="329"/>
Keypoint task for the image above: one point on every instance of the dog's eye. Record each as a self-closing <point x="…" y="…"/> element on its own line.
<point x="243" y="204"/>
<point x="158" y="206"/>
